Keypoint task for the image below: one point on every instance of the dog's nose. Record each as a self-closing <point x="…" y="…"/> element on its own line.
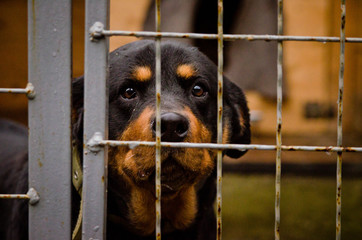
<point x="174" y="127"/>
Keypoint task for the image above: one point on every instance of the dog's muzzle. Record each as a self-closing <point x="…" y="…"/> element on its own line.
<point x="174" y="127"/>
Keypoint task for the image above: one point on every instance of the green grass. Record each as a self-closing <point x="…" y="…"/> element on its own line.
<point x="307" y="208"/>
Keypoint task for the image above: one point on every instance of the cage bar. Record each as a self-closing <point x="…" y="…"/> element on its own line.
<point x="14" y="196"/>
<point x="241" y="147"/>
<point x="278" y="164"/>
<point x="158" y="123"/>
<point x="95" y="120"/>
<point x="227" y="37"/>
<point x="220" y="70"/>
<point x="49" y="61"/>
<point x="29" y="90"/>
<point x="339" y="122"/>
<point x="13" y="90"/>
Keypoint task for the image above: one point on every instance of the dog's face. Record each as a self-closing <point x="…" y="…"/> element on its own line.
<point x="188" y="114"/>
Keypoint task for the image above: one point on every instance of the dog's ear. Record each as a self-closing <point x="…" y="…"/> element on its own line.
<point x="237" y="116"/>
<point x="77" y="109"/>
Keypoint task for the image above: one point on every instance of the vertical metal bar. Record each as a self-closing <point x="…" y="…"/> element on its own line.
<point x="339" y="130"/>
<point x="158" y="122"/>
<point x="279" y="122"/>
<point x="49" y="60"/>
<point x="220" y="115"/>
<point x="95" y="120"/>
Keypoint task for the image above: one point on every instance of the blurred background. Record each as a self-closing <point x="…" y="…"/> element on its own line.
<point x="309" y="102"/>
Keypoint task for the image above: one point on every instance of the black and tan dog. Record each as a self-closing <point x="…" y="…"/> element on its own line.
<point x="188" y="114"/>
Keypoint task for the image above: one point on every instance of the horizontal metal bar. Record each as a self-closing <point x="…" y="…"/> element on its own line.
<point x="133" y="144"/>
<point x="29" y="90"/>
<point x="13" y="90"/>
<point x="32" y="195"/>
<point x="227" y="37"/>
<point x="14" y="196"/>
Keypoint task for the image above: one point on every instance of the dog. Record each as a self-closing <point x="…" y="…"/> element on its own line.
<point x="188" y="114"/>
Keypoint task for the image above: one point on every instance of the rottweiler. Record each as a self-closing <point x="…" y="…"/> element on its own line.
<point x="188" y="114"/>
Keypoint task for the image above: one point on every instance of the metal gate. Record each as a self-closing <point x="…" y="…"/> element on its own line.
<point x="48" y="90"/>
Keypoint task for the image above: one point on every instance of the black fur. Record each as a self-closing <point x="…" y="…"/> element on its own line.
<point x="175" y="93"/>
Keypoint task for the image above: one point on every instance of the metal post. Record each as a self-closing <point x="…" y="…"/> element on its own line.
<point x="95" y="120"/>
<point x="49" y="60"/>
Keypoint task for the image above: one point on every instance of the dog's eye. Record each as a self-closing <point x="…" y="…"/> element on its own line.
<point x="128" y="93"/>
<point x="198" y="91"/>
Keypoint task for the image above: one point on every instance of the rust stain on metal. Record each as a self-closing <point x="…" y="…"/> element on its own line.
<point x="40" y="163"/>
<point x="218" y="230"/>
<point x="349" y="149"/>
<point x="219" y="207"/>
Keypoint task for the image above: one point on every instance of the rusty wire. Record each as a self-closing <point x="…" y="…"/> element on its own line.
<point x="241" y="147"/>
<point x="278" y="163"/>
<point x="158" y="123"/>
<point x="14" y="196"/>
<point x="28" y="90"/>
<point x="339" y="122"/>
<point x="226" y="37"/>
<point x="220" y="81"/>
<point x="32" y="196"/>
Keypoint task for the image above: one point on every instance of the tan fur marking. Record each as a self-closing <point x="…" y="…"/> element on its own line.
<point x="142" y="208"/>
<point x="226" y="132"/>
<point x="142" y="73"/>
<point x="138" y="130"/>
<point x="242" y="123"/>
<point x="185" y="71"/>
<point x="194" y="158"/>
<point x="181" y="210"/>
<point x="241" y="119"/>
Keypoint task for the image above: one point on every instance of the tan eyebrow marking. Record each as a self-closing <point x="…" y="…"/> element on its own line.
<point x="185" y="71"/>
<point x="142" y="73"/>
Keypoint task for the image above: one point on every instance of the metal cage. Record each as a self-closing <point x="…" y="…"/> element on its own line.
<point x="48" y="90"/>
